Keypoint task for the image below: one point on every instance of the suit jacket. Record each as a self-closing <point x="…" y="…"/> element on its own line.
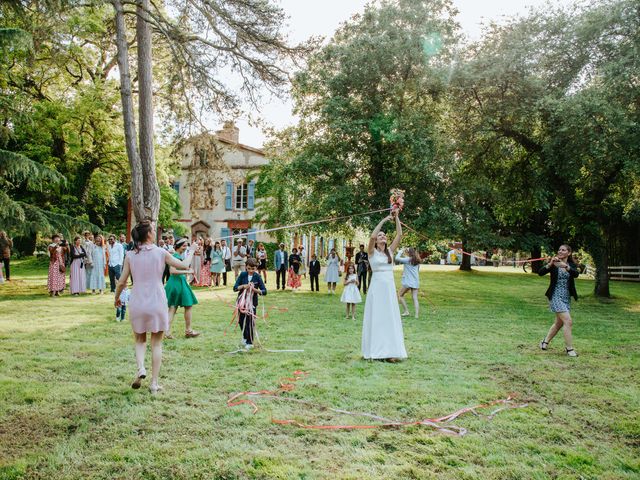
<point x="362" y="262"/>
<point x="314" y="267"/>
<point x="281" y="258"/>
<point x="243" y="279"/>
<point x="553" y="270"/>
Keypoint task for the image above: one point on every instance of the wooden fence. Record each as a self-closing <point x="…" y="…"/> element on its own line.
<point x="629" y="274"/>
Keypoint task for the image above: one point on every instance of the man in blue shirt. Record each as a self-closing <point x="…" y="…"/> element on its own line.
<point x="281" y="260"/>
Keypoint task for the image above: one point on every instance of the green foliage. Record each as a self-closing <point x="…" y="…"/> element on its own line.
<point x="170" y="209"/>
<point x="545" y="117"/>
<point x="581" y="420"/>
<point x="369" y="103"/>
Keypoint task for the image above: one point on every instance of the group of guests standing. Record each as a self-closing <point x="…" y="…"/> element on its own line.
<point x="89" y="259"/>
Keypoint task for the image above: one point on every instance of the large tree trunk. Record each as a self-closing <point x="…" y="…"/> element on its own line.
<point x="127" y="112"/>
<point x="465" y="264"/>
<point x="536" y="252"/>
<point x="601" y="259"/>
<point x="151" y="199"/>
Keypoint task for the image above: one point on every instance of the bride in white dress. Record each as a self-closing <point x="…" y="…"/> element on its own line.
<point x="382" y="336"/>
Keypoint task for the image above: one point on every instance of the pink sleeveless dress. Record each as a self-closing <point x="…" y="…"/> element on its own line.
<point x="148" y="309"/>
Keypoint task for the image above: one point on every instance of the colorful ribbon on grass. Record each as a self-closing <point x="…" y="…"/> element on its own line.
<point x="439" y="424"/>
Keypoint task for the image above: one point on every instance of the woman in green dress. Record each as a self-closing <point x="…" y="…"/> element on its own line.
<point x="179" y="293"/>
<point x="217" y="263"/>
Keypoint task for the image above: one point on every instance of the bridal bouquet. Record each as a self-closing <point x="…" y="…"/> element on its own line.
<point x="397" y="199"/>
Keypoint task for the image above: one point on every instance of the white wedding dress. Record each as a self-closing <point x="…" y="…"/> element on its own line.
<point x="382" y="335"/>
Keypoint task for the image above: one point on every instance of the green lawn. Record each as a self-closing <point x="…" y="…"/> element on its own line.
<point x="67" y="411"/>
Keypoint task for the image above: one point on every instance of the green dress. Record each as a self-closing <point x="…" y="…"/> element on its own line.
<point x="179" y="293"/>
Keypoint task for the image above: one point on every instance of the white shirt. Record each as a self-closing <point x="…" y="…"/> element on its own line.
<point x="242" y="252"/>
<point x="124" y="296"/>
<point x="226" y="253"/>
<point x="116" y="254"/>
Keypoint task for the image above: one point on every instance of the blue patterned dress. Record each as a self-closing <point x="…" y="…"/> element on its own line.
<point x="561" y="300"/>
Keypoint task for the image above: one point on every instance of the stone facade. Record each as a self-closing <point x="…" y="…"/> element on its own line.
<point x="216" y="190"/>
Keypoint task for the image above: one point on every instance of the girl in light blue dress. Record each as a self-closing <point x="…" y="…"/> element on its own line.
<point x="410" y="278"/>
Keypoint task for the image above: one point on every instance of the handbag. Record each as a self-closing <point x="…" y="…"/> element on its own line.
<point x="61" y="267"/>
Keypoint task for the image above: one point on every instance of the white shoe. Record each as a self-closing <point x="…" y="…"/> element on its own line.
<point x="248" y="346"/>
<point x="155" y="389"/>
<point x="571" y="352"/>
<point x="117" y="319"/>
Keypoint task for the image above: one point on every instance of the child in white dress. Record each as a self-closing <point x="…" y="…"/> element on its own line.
<point x="351" y="294"/>
<point x="124" y="300"/>
<point x="410" y="278"/>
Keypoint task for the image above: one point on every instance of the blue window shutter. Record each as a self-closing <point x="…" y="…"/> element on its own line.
<point x="228" y="199"/>
<point x="224" y="233"/>
<point x="251" y="196"/>
<point x="251" y="234"/>
<point x="176" y="186"/>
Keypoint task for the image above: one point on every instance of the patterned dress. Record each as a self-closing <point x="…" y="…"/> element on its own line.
<point x="561" y="300"/>
<point x="205" y="273"/>
<point x="56" y="279"/>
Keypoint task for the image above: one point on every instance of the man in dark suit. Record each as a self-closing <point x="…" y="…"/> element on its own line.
<point x="281" y="261"/>
<point x="247" y="320"/>
<point x="362" y="267"/>
<point x="314" y="272"/>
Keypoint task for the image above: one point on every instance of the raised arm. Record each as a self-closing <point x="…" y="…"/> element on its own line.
<point x="396" y="241"/>
<point x="180" y="264"/>
<point x="400" y="258"/>
<point x="374" y="234"/>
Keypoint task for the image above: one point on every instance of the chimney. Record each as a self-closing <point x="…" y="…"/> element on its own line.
<point x="229" y="132"/>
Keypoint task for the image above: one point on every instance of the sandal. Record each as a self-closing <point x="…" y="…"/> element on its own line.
<point x="543" y="345"/>
<point x="142" y="374"/>
<point x="571" y="352"/>
<point x="168" y="336"/>
<point x="191" y="334"/>
<point x="155" y="389"/>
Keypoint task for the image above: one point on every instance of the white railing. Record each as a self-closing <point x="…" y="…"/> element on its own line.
<point x="630" y="274"/>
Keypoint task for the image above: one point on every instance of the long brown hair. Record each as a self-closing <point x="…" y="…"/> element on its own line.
<point x="140" y="233"/>
<point x="386" y="250"/>
<point x="414" y="256"/>
<point x="570" y="257"/>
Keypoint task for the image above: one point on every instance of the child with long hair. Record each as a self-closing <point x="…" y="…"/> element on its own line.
<point x="351" y="294"/>
<point x="410" y="278"/>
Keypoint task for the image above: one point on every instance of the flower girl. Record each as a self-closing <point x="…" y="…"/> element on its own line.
<point x="351" y="294"/>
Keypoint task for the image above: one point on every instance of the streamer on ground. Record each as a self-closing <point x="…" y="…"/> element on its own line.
<point x="440" y="424"/>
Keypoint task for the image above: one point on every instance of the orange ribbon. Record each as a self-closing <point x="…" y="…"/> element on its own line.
<point x="440" y="424"/>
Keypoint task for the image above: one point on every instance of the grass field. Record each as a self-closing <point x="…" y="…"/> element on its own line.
<point x="67" y="411"/>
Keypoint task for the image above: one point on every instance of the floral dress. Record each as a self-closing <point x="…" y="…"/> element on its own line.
<point x="561" y="299"/>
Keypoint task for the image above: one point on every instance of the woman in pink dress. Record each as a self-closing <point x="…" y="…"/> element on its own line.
<point x="148" y="311"/>
<point x="205" y="271"/>
<point x="56" y="279"/>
